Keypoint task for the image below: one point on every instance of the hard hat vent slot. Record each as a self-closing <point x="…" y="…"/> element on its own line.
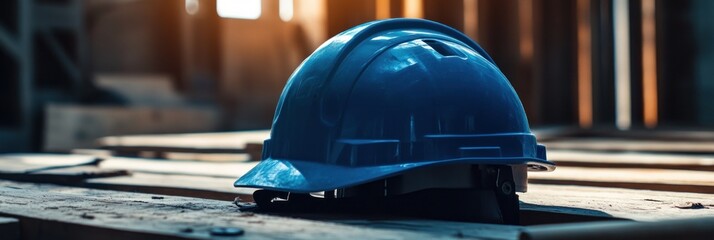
<point x="442" y="48"/>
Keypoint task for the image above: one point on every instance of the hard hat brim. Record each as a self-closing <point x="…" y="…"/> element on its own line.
<point x="306" y="177"/>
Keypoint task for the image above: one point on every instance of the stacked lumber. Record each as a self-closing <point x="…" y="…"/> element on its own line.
<point x="627" y="190"/>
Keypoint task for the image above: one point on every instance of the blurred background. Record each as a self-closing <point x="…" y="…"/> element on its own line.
<point x="76" y="70"/>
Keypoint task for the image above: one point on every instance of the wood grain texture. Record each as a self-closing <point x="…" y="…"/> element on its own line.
<point x="76" y="126"/>
<point x="199" y="168"/>
<point x="694" y="228"/>
<point x="25" y="163"/>
<point x="623" y="145"/>
<point x="50" y="211"/>
<point x="53" y="168"/>
<point x="69" y="175"/>
<point x="219" y="140"/>
<point x="652" y="179"/>
<point x="600" y="159"/>
<point x="217" y="188"/>
<point x="204" y="146"/>
<point x="639" y="205"/>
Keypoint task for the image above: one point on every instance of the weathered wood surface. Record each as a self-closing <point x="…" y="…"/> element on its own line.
<point x="216" y="169"/>
<point x="218" y="188"/>
<point x="50" y="211"/>
<point x="151" y="176"/>
<point x="77" y="126"/>
<point x="224" y="140"/>
<point x="67" y="212"/>
<point x="9" y="228"/>
<point x="214" y="180"/>
<point x="18" y="163"/>
<point x="542" y="204"/>
<point x="640" y="205"/>
<point x="695" y="228"/>
<point x="46" y="168"/>
<point x="163" y="146"/>
<point x="631" y="160"/>
<point x="652" y="179"/>
<point x="221" y="189"/>
<point x="623" y="145"/>
<point x="25" y="163"/>
<point x="68" y="175"/>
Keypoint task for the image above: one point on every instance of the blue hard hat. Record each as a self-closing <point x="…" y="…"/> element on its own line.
<point x="389" y="96"/>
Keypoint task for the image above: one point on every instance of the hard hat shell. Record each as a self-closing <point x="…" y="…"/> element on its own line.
<point x="386" y="97"/>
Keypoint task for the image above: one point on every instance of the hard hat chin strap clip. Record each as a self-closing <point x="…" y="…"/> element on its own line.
<point x="493" y="199"/>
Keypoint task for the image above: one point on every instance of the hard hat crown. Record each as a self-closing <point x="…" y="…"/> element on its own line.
<point x="387" y="96"/>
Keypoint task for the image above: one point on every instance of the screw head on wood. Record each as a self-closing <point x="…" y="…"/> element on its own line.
<point x="226" y="231"/>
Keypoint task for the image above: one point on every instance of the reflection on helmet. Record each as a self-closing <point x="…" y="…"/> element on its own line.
<point x="388" y="97"/>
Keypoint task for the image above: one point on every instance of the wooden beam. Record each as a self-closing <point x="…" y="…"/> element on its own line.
<point x="217" y="188"/>
<point x="225" y="140"/>
<point x="639" y="205"/>
<point x="71" y="175"/>
<point x="214" y="169"/>
<point x="49" y="211"/>
<point x="614" y="144"/>
<point x="163" y="145"/>
<point x="650" y="179"/>
<point x="67" y="170"/>
<point x="575" y="158"/>
<point x="696" y="228"/>
<point x="25" y="163"/>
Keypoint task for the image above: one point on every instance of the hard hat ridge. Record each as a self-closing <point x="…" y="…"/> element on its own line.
<point x="389" y="96"/>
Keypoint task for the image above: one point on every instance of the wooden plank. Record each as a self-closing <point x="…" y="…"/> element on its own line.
<point x="154" y="153"/>
<point x="10" y="228"/>
<point x="689" y="135"/>
<point x="21" y="163"/>
<point x="640" y="205"/>
<point x="78" y="170"/>
<point x="614" y="144"/>
<point x="218" y="188"/>
<point x="166" y="145"/>
<point x="218" y="140"/>
<point x="49" y="211"/>
<point x="70" y="175"/>
<point x="216" y="169"/>
<point x="573" y="158"/>
<point x="457" y="229"/>
<point x="652" y="179"/>
<point x="70" y="126"/>
<point x="559" y="207"/>
<point x="141" y="89"/>
<point x="696" y="228"/>
<point x="53" y="168"/>
<point x="671" y="180"/>
<point x="181" y="153"/>
<point x="214" y="180"/>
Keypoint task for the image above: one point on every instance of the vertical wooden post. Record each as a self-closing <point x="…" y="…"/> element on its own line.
<point x="585" y="98"/>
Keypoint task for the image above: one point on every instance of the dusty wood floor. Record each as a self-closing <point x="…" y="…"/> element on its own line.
<point x="66" y="196"/>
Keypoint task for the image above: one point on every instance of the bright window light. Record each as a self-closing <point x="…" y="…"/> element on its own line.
<point x="243" y="9"/>
<point x="191" y="7"/>
<point x="286" y="10"/>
